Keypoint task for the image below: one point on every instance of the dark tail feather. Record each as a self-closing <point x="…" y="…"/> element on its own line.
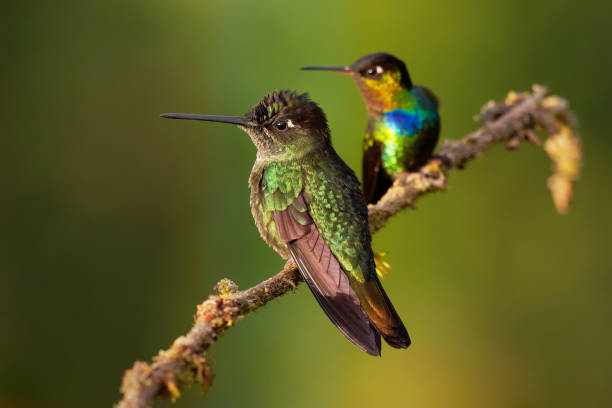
<point x="382" y="314"/>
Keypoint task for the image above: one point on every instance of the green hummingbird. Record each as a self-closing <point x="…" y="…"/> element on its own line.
<point x="403" y="120"/>
<point x="308" y="206"/>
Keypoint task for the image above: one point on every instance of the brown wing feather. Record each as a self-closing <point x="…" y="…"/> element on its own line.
<point x="325" y="277"/>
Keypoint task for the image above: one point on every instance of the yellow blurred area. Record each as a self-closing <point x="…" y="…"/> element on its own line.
<point x="116" y="223"/>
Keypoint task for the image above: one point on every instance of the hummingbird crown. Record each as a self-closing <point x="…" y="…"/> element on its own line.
<point x="273" y="103"/>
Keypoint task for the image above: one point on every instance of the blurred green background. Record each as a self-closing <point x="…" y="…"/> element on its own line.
<point x="116" y="223"/>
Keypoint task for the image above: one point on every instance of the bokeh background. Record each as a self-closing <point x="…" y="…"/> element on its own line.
<point x="116" y="223"/>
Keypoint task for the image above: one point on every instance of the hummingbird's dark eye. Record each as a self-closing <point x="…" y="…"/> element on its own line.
<point x="281" y="125"/>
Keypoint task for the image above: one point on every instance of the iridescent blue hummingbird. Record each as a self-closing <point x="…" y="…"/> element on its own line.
<point x="403" y="124"/>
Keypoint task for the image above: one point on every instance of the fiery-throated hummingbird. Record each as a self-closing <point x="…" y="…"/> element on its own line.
<point x="403" y="124"/>
<point x="308" y="206"/>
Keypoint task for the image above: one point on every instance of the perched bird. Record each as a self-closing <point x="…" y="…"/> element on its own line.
<point x="403" y="124"/>
<point x="308" y="206"/>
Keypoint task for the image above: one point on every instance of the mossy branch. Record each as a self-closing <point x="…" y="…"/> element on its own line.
<point x="512" y="121"/>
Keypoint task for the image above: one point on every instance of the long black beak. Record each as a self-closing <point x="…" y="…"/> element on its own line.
<point x="236" y="120"/>
<point x="344" y="70"/>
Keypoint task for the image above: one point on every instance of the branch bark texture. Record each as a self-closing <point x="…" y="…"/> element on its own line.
<point x="512" y="121"/>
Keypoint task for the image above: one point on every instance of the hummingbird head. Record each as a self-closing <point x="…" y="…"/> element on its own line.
<point x="380" y="77"/>
<point x="283" y="125"/>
